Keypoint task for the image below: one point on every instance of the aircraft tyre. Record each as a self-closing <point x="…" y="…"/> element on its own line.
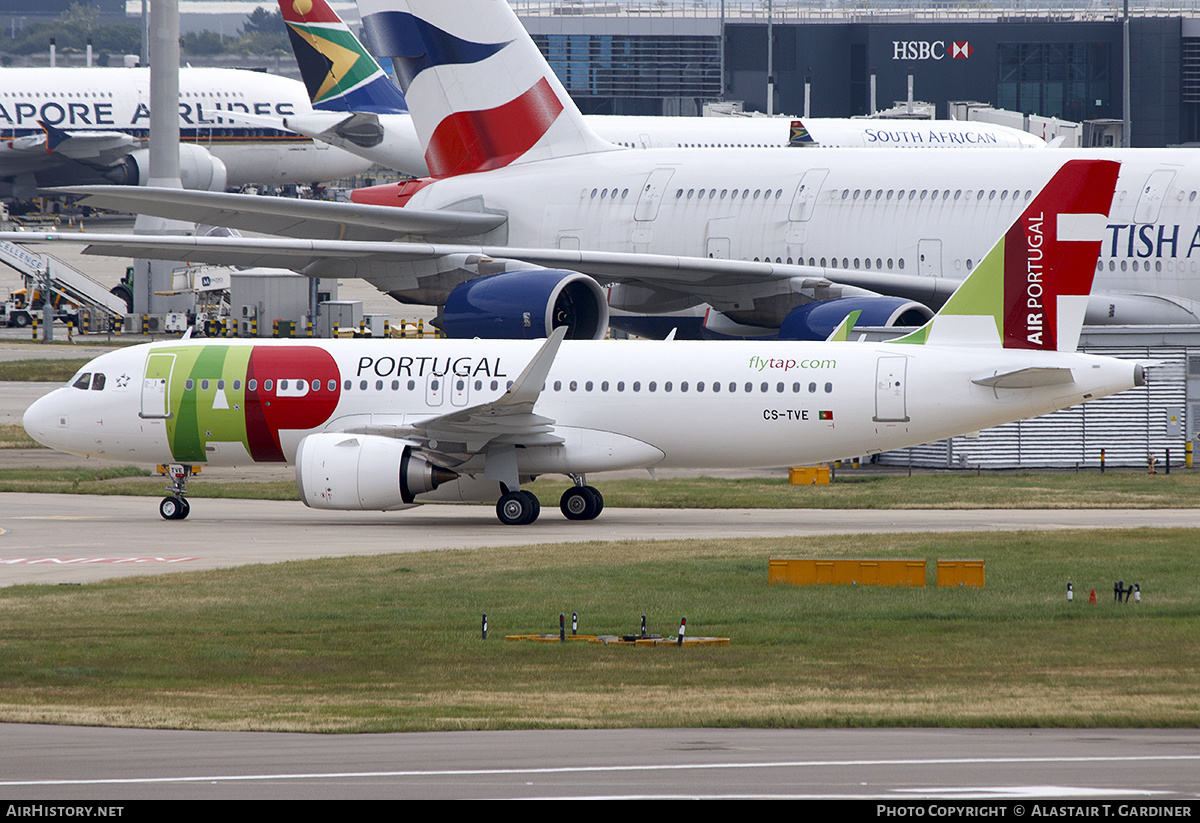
<point x="519" y="508"/>
<point x="174" y="508"/>
<point x="581" y="503"/>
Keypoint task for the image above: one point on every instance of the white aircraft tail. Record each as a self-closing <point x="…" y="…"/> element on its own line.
<point x="481" y="94"/>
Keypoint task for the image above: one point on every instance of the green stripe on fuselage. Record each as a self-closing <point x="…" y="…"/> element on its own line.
<point x="207" y="415"/>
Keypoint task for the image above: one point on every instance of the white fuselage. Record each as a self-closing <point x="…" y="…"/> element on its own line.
<point x="927" y="214"/>
<point x="118" y="100"/>
<point x="401" y="148"/>
<point x="614" y="404"/>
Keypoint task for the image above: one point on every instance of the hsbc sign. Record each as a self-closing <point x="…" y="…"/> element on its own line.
<point x="930" y="50"/>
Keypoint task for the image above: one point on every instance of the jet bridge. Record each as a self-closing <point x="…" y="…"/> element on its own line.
<point x="71" y="289"/>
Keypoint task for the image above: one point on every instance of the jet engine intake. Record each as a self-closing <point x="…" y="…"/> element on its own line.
<point x="199" y="169"/>
<point x="817" y="320"/>
<point x="363" y="472"/>
<point x="526" y="304"/>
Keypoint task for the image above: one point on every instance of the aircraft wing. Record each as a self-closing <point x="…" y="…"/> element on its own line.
<point x="313" y="219"/>
<point x="708" y="279"/>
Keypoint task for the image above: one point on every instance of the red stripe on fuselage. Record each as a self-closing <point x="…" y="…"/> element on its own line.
<point x="267" y="411"/>
<point x="470" y="141"/>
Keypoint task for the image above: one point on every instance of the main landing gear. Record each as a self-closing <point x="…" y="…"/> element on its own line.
<point x="176" y="506"/>
<point x="580" y="502"/>
<point x="518" y="508"/>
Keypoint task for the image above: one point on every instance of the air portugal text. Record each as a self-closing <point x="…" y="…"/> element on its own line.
<point x="1034" y="238"/>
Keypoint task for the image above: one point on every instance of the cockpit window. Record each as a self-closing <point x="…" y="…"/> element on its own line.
<point x="82" y="381"/>
<point x="98" y="382"/>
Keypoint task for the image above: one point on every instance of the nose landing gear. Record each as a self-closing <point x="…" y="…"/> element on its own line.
<point x="176" y="506"/>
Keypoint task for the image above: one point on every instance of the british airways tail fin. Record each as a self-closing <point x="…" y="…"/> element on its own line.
<point x="1031" y="290"/>
<point x="338" y="72"/>
<point x="481" y="94"/>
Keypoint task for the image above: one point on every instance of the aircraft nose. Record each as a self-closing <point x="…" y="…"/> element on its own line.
<point x="43" y="418"/>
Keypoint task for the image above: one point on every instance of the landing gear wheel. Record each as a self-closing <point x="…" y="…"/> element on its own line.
<point x="599" y="500"/>
<point x="174" y="508"/>
<point x="581" y="503"/>
<point x="518" y="508"/>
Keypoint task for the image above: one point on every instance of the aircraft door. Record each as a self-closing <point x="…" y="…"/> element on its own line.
<point x="929" y="258"/>
<point x="891" y="389"/>
<point x="1151" y="199"/>
<point x="718" y="248"/>
<point x="652" y="193"/>
<point x="805" y="198"/>
<point x="156" y="386"/>
<point x="645" y="141"/>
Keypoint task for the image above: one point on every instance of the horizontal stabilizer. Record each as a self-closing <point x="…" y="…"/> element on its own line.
<point x="1027" y="378"/>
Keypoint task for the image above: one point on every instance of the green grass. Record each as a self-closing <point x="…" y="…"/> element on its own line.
<point x="41" y="370"/>
<point x="949" y="490"/>
<point x="13" y="436"/>
<point x="392" y="643"/>
<point x="133" y="481"/>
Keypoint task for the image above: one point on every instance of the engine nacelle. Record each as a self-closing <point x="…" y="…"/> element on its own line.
<point x="816" y="321"/>
<point x="527" y="304"/>
<point x="363" y="472"/>
<point x="199" y="170"/>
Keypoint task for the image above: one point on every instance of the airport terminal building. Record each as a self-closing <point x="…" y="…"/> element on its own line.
<point x="1063" y="60"/>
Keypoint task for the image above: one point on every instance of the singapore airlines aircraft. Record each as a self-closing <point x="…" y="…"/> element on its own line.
<point x="527" y="211"/>
<point x="357" y="108"/>
<point x="78" y="125"/>
<point x="383" y="425"/>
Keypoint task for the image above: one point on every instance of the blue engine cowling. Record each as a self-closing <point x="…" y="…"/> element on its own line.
<point x="526" y="304"/>
<point x="816" y="321"/>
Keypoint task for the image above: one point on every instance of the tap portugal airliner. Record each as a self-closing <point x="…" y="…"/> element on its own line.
<point x="383" y="425"/>
<point x="79" y="125"/>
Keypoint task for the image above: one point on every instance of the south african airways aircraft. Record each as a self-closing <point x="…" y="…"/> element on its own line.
<point x="384" y="425"/>
<point x="64" y="126"/>
<point x="527" y="211"/>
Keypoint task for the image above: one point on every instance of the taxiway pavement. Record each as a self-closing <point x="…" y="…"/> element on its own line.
<point x="926" y="772"/>
<point x="53" y="538"/>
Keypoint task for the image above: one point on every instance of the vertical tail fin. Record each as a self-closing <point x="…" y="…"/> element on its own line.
<point x="338" y="72"/>
<point x="481" y="93"/>
<point x="1031" y="290"/>
<point x="799" y="136"/>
